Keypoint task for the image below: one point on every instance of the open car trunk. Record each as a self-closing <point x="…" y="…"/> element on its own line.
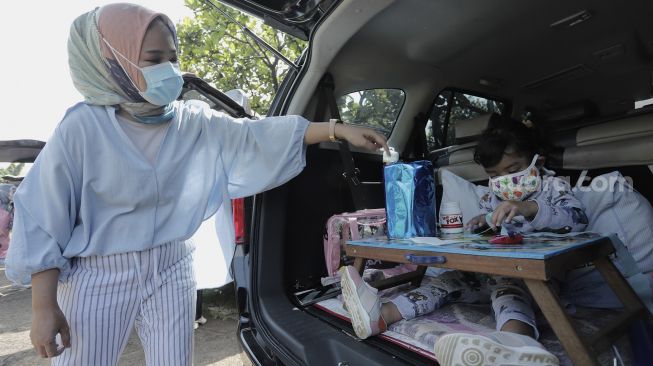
<point x="291" y="224"/>
<point x="285" y="254"/>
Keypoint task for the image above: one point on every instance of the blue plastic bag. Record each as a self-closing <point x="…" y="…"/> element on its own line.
<point x="410" y="199"/>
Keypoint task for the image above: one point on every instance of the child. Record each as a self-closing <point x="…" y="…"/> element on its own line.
<point x="526" y="197"/>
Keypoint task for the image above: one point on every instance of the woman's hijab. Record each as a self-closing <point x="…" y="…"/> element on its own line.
<point x="100" y="43"/>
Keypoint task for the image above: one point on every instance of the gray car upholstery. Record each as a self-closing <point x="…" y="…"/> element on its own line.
<point x="634" y="151"/>
<point x="471" y="128"/>
<point x="623" y="129"/>
<point x="622" y="142"/>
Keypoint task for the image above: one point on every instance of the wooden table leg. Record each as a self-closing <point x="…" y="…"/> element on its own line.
<point x="359" y="264"/>
<point x="549" y="303"/>
<point x="618" y="284"/>
<point x="634" y="307"/>
<point x="414" y="277"/>
<point x="419" y="272"/>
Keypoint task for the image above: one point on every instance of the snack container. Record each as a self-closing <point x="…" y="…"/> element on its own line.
<point x="451" y="218"/>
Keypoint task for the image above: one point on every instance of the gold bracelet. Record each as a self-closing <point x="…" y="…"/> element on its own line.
<point x="332" y="129"/>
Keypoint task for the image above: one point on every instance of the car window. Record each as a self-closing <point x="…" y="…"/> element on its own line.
<point x="375" y="108"/>
<point x="450" y="107"/>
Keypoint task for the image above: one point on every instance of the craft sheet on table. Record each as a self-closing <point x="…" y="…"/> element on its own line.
<point x="534" y="246"/>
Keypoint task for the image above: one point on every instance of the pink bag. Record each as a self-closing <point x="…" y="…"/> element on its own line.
<point x="6" y="216"/>
<point x="5" y="227"/>
<point x="353" y="226"/>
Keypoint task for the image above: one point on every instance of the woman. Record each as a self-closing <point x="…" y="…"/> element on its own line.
<point x="102" y="217"/>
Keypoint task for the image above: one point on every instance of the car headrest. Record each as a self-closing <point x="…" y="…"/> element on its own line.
<point x="469" y="171"/>
<point x="468" y="129"/>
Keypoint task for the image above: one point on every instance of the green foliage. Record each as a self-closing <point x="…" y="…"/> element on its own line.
<point x="376" y="108"/>
<point x="463" y="107"/>
<point x="13" y="169"/>
<point x="218" y="51"/>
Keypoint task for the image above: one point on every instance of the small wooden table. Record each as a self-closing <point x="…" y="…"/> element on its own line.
<point x="536" y="261"/>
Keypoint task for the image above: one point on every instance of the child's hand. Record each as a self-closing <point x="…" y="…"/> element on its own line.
<point x="475" y="223"/>
<point x="507" y="210"/>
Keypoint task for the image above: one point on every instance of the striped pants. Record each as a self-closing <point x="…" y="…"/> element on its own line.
<point x="103" y="297"/>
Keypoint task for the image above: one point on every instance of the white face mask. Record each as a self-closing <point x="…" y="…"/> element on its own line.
<point x="164" y="80"/>
<point x="517" y="186"/>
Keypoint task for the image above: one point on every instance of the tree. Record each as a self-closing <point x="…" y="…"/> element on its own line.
<point x="217" y="50"/>
<point x="440" y="131"/>
<point x="376" y="108"/>
<point x="13" y="169"/>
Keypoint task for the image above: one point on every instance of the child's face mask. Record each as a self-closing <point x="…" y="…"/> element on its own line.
<point x="517" y="186"/>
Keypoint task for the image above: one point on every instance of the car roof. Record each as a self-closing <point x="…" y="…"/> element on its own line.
<point x="545" y="54"/>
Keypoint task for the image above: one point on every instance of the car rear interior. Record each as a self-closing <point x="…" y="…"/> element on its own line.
<point x="578" y="67"/>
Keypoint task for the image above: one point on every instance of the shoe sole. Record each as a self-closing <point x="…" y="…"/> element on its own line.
<point x="360" y="320"/>
<point x="477" y="350"/>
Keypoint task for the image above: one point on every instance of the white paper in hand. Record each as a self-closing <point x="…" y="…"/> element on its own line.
<point x="393" y="157"/>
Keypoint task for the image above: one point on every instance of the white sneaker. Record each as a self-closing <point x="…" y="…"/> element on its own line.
<point x="362" y="303"/>
<point x="198" y="322"/>
<point x="494" y="349"/>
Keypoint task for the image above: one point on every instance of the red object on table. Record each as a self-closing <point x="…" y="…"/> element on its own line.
<point x="512" y="238"/>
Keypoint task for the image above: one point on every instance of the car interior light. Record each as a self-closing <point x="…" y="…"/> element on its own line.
<point x="490" y="83"/>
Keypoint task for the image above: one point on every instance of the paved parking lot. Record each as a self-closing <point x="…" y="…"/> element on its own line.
<point x="215" y="342"/>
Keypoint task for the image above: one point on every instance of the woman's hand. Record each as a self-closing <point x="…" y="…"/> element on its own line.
<point x="47" y="318"/>
<point x="509" y="209"/>
<point x="46" y="323"/>
<point x="362" y="137"/>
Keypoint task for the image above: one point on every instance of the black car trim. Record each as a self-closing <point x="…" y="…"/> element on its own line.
<point x="220" y="99"/>
<point x="297" y="18"/>
<point x="257" y="322"/>
<point x="283" y="107"/>
<point x="392" y="349"/>
<point x="252" y="349"/>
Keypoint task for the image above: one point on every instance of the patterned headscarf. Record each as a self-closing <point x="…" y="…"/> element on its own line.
<point x="96" y="73"/>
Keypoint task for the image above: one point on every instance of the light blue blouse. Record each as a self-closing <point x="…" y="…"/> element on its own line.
<point x="92" y="192"/>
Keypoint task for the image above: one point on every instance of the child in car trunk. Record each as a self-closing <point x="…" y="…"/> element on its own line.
<point x="525" y="197"/>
